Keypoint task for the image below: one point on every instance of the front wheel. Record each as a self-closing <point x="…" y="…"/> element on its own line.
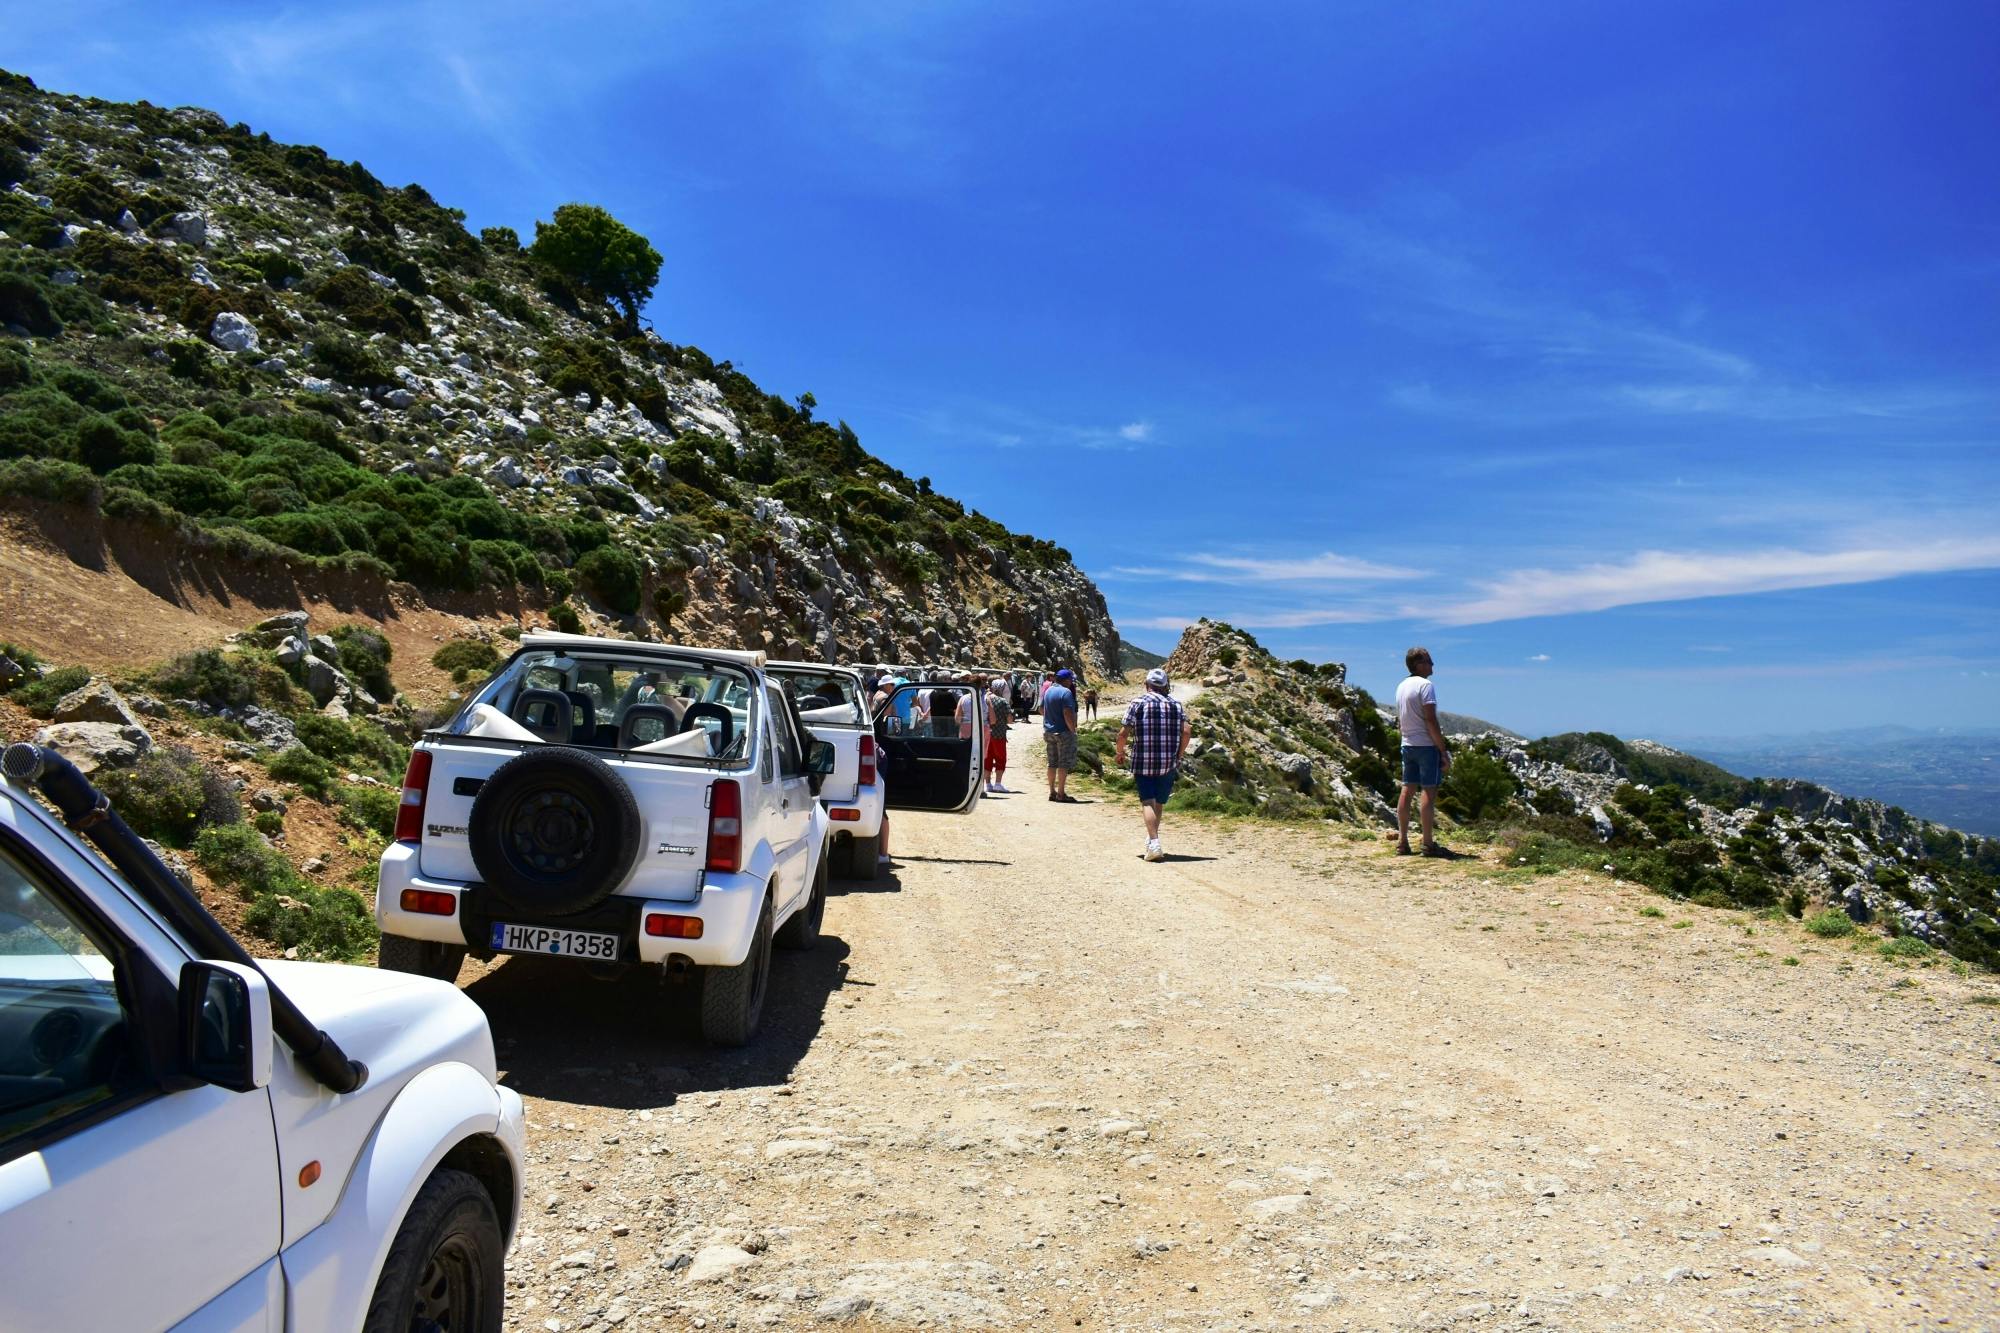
<point x="732" y="998"/>
<point x="425" y="958"/>
<point x="445" y="1268"/>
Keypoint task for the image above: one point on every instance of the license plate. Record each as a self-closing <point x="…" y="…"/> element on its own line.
<point x="543" y="939"/>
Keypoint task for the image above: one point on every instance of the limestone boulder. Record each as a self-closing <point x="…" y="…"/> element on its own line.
<point x="94" y="745"/>
<point x="96" y="702"/>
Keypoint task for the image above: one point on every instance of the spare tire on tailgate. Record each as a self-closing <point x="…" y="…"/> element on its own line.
<point x="554" y="831"/>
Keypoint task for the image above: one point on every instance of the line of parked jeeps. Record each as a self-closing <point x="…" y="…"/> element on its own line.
<point x="191" y="1139"/>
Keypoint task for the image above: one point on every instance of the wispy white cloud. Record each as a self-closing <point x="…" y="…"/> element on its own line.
<point x="1539" y="657"/>
<point x="1326" y="567"/>
<point x="1306" y="616"/>
<point x="1666" y="576"/>
<point x="1138" y="432"/>
<point x="1175" y="623"/>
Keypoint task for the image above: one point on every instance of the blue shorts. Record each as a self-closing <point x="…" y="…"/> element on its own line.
<point x="1155" y="787"/>
<point x="1420" y="766"/>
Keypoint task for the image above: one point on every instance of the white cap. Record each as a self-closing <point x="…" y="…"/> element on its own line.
<point x="1157" y="676"/>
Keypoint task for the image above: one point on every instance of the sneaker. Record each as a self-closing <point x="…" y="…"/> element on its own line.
<point x="1154" y="851"/>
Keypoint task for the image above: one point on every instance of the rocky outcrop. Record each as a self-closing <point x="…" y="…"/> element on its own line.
<point x="1278" y="738"/>
<point x="96" y="702"/>
<point x="94" y="745"/>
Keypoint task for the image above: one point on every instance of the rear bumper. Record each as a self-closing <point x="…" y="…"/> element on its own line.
<point x="726" y="907"/>
<point x="867" y="814"/>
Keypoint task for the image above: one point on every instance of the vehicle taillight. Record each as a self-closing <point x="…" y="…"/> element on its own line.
<point x="725" y="826"/>
<point x="416" y="781"/>
<point x="867" y="761"/>
<point x="430" y="902"/>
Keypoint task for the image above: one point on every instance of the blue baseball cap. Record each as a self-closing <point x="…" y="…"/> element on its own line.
<point x="1065" y="674"/>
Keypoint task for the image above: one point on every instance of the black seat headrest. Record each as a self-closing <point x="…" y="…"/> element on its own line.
<point x="656" y="718"/>
<point x="583" y="710"/>
<point x="547" y="713"/>
<point x="723" y="735"/>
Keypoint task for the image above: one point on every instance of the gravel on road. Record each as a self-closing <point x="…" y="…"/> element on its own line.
<point x="1281" y="1080"/>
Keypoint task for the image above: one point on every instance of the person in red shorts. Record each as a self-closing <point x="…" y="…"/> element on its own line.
<point x="999" y="716"/>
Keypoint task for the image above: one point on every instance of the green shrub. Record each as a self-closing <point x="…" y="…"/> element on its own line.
<point x="372" y="809"/>
<point x="463" y="657"/>
<point x="326" y="737"/>
<point x="371" y="306"/>
<point x="169" y="795"/>
<point x="40" y="696"/>
<point x="1830" y="924"/>
<point x="271" y="823"/>
<point x="104" y="446"/>
<point x="25" y="301"/>
<point x="324" y="923"/>
<point x="348" y="359"/>
<point x="208" y="675"/>
<point x="564" y="617"/>
<point x="237" y="857"/>
<point x="1226" y="657"/>
<point x="1905" y="946"/>
<point x="613" y="575"/>
<point x="301" y="766"/>
<point x="1477" y="786"/>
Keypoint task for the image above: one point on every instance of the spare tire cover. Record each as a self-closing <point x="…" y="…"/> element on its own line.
<point x="554" y="831"/>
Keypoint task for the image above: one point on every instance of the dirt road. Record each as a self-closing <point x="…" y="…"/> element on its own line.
<point x="1281" y="1080"/>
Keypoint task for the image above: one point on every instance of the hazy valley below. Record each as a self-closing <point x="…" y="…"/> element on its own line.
<point x="1953" y="778"/>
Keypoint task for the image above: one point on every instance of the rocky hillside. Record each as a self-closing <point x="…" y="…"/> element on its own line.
<point x="1284" y="740"/>
<point x="1295" y="740"/>
<point x="268" y="354"/>
<point x="1651" y="813"/>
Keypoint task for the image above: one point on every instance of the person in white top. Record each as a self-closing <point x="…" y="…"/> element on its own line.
<point x="1425" y="755"/>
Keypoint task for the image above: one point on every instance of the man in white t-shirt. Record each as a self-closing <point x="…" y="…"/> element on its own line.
<point x="1425" y="755"/>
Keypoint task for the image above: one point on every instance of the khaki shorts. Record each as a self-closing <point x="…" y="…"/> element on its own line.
<point x="1062" y="749"/>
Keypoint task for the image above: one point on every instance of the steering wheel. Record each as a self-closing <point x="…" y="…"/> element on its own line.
<point x="692" y="721"/>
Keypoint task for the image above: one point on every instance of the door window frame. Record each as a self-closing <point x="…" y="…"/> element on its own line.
<point x="149" y="1002"/>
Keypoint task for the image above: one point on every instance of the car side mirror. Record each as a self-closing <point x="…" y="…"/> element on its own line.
<point x="225" y="1024"/>
<point x="819" y="760"/>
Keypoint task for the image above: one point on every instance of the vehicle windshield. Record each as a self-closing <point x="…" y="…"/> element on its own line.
<point x="603" y="699"/>
<point x="831" y="698"/>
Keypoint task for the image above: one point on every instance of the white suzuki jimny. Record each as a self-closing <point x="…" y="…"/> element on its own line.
<point x="192" y="1140"/>
<point x="615" y="803"/>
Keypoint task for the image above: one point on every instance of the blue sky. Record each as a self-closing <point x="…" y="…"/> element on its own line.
<point x="1640" y="360"/>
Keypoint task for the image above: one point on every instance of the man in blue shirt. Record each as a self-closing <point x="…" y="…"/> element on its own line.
<point x="1059" y="734"/>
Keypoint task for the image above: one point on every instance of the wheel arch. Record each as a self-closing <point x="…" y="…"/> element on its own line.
<point x="449" y="1111"/>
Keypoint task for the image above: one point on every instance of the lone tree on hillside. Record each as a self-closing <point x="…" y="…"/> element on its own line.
<point x="598" y="252"/>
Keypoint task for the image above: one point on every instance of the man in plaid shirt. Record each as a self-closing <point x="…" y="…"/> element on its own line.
<point x="1158" y="727"/>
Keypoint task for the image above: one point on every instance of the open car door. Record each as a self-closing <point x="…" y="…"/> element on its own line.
<point x="930" y="756"/>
